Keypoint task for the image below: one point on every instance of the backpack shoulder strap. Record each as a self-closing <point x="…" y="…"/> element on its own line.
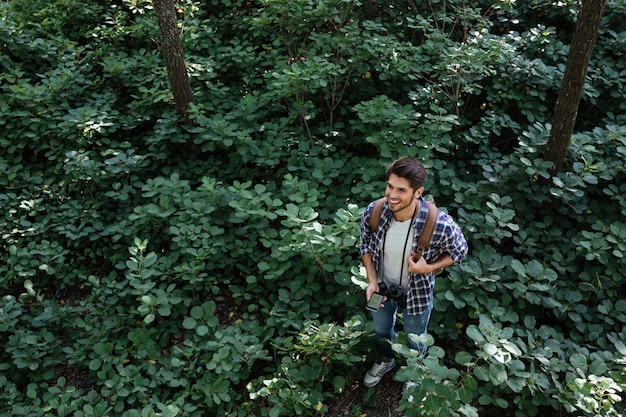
<point x="427" y="231"/>
<point x="377" y="212"/>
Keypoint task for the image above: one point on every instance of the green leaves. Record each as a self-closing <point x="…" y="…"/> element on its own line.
<point x="158" y="303"/>
<point x="202" y="319"/>
<point x="331" y="343"/>
<point x="205" y="265"/>
<point x="493" y="340"/>
<point x="255" y="202"/>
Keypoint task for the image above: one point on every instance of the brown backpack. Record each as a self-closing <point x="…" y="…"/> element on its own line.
<point x="427" y="231"/>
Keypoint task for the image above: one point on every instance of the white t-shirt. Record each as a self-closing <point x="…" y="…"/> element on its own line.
<point x="396" y="251"/>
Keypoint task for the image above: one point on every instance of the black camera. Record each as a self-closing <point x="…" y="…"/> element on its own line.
<point x="393" y="292"/>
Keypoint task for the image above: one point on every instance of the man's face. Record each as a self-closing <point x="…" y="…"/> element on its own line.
<point x="401" y="197"/>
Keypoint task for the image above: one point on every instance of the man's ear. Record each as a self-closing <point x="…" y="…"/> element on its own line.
<point x="419" y="192"/>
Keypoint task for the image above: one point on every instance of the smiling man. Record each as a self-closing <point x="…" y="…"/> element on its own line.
<point x="388" y="254"/>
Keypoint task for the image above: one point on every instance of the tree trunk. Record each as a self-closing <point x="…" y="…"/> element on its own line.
<point x="172" y="48"/>
<point x="566" y="109"/>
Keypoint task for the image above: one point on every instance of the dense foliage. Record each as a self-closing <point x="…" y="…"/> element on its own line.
<point x="152" y="268"/>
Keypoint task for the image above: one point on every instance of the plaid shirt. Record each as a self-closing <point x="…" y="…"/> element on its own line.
<point x="447" y="238"/>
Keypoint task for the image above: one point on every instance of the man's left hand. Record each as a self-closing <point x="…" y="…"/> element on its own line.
<point x="419" y="266"/>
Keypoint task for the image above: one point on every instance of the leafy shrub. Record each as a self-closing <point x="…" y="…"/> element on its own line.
<point x="150" y="268"/>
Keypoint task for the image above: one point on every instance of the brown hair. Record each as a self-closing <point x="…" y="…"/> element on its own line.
<point x="409" y="168"/>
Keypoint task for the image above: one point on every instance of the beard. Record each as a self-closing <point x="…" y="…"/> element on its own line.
<point x="402" y="204"/>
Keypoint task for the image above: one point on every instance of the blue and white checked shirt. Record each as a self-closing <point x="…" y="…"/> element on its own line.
<point x="447" y="237"/>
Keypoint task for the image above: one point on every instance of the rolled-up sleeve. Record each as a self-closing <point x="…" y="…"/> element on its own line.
<point x="454" y="242"/>
<point x="366" y="233"/>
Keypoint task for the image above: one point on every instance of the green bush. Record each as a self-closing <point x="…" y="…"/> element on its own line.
<point x="151" y="268"/>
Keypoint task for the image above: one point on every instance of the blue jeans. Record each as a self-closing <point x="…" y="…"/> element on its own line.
<point x="385" y="321"/>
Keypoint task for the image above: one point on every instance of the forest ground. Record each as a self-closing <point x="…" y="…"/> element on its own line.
<point x="384" y="403"/>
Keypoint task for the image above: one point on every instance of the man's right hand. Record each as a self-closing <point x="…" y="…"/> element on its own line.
<point x="372" y="287"/>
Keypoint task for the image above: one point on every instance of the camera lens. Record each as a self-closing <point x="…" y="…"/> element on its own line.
<point x="395" y="291"/>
